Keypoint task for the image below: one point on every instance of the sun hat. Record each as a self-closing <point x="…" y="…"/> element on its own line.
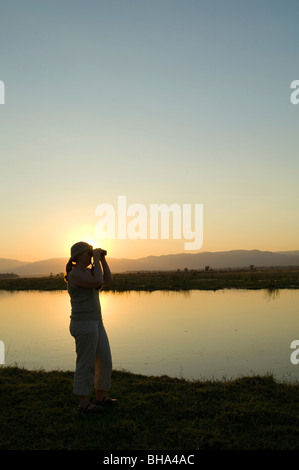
<point x="79" y="248"/>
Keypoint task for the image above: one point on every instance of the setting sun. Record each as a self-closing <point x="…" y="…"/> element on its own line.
<point x="85" y="234"/>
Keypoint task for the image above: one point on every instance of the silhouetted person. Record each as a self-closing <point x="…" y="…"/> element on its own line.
<point x="93" y="363"/>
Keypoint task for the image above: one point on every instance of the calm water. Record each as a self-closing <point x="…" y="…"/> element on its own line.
<point x="195" y="335"/>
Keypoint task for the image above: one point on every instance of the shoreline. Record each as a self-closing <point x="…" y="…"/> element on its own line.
<point x="264" y="278"/>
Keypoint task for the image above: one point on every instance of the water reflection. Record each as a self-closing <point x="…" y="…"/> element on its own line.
<point x="191" y="334"/>
<point x="272" y="293"/>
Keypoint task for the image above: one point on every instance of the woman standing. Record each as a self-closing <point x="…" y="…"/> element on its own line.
<point x="93" y="363"/>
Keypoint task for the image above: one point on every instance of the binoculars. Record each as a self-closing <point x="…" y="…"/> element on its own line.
<point x="103" y="251"/>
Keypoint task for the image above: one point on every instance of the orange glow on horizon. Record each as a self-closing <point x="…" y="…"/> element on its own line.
<point x="85" y="234"/>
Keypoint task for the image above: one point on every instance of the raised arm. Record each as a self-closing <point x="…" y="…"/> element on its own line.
<point x="86" y="279"/>
<point x="107" y="276"/>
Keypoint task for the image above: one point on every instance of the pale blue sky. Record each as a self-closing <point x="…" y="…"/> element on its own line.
<point x="162" y="101"/>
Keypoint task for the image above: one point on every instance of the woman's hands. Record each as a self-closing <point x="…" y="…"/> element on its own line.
<point x="99" y="254"/>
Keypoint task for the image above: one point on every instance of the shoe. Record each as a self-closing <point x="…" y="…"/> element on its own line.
<point x="90" y="409"/>
<point x="106" y="401"/>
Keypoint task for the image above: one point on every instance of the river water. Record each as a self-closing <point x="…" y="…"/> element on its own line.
<point x="194" y="335"/>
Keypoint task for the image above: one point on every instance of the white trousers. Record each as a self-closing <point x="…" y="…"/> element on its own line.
<point x="93" y="363"/>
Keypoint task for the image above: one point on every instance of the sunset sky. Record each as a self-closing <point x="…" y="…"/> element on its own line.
<point x="161" y="101"/>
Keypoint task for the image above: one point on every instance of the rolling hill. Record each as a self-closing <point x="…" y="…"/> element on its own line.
<point x="216" y="260"/>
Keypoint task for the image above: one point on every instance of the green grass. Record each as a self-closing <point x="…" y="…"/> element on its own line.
<point x="38" y="411"/>
<point x="276" y="278"/>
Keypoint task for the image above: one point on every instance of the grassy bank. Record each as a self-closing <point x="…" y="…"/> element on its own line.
<point x="278" y="278"/>
<point x="39" y="411"/>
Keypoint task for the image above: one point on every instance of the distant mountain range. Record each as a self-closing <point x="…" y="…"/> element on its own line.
<point x="215" y="260"/>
